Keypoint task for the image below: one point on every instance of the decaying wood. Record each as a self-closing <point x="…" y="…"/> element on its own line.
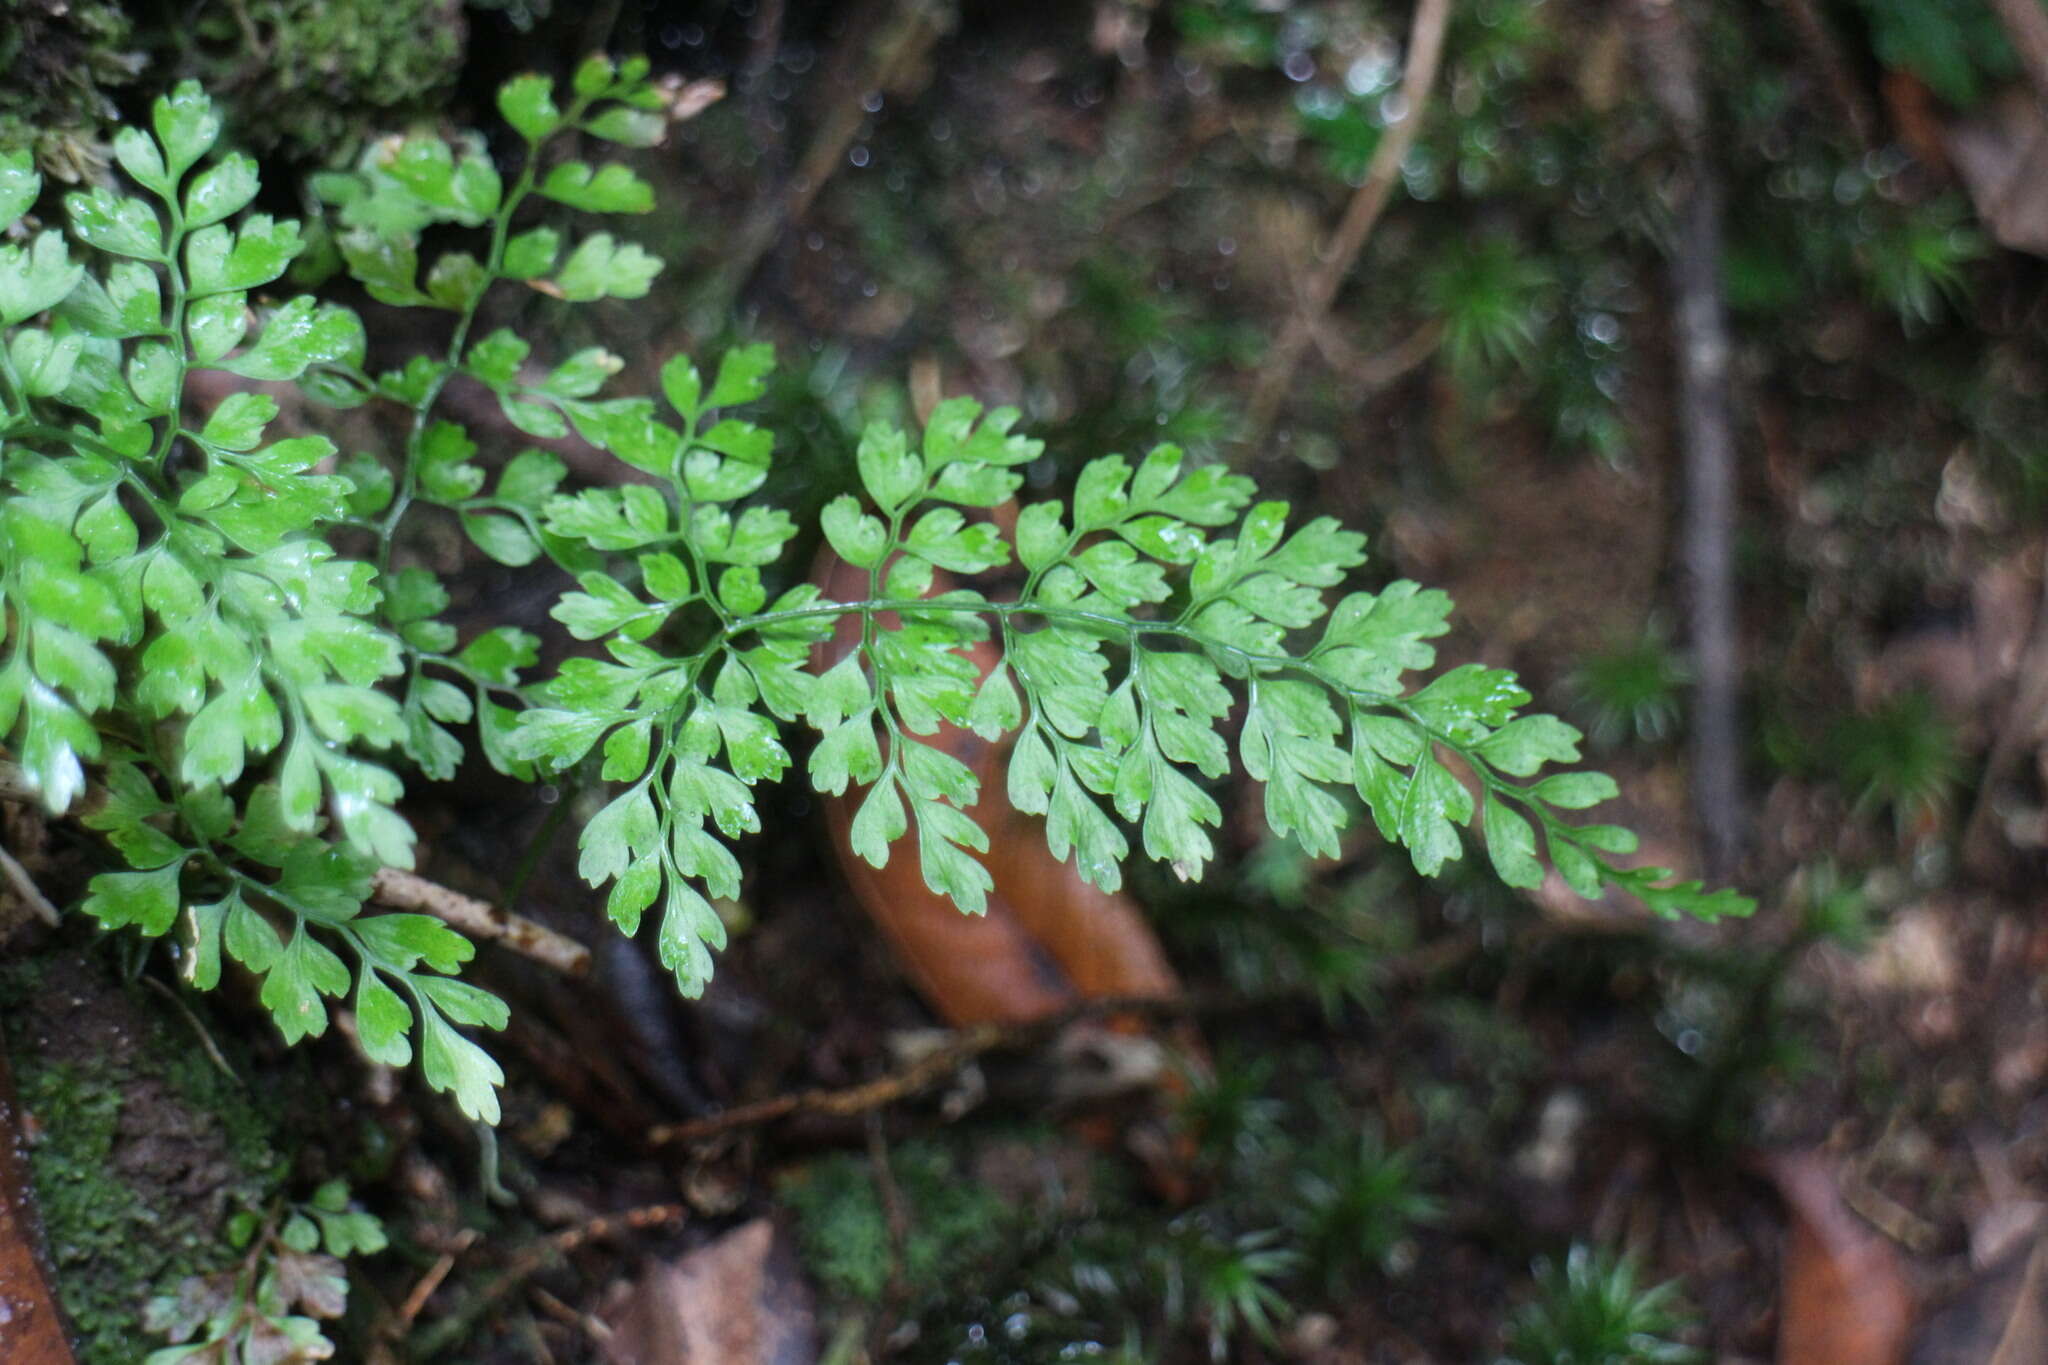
<point x="31" y="1327"/>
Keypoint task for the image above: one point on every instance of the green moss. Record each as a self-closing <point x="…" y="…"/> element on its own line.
<point x="62" y="58"/>
<point x="312" y="78"/>
<point x="143" y="1145"/>
<point x="951" y="1221"/>
<point x="307" y="79"/>
<point x="91" y="1218"/>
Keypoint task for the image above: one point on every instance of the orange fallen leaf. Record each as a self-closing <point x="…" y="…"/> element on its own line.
<point x="736" y="1301"/>
<point x="1049" y="938"/>
<point x="1845" y="1298"/>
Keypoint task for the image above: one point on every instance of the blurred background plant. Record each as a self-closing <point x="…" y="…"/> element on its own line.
<point x="1592" y="1309"/>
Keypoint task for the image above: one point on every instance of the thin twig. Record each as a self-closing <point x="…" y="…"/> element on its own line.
<point x="963" y="1047"/>
<point x="393" y="887"/>
<point x="431" y="1281"/>
<point x="206" y="1042"/>
<point x="593" y="1327"/>
<point x="1367" y="373"/>
<point x="403" y="890"/>
<point x="1368" y="201"/>
<point x="25" y="887"/>
<point x="1707" y="436"/>
<point x="973" y="1042"/>
<point x="935" y="1065"/>
<point x="531" y="1261"/>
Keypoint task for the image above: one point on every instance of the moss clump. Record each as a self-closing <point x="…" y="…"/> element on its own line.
<point x="143" y="1147"/>
<point x="62" y="57"/>
<point x="951" y="1221"/>
<point x="310" y="78"/>
<point x="305" y="79"/>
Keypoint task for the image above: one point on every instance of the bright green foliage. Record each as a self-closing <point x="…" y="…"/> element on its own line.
<point x="1591" y="1311"/>
<point x="186" y="620"/>
<point x="269" y="1308"/>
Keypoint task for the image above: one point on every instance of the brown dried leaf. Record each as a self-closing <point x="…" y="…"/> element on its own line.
<point x="1845" y="1297"/>
<point x="736" y="1301"/>
<point x="269" y="1343"/>
<point x="1049" y="938"/>
<point x="198" y="1299"/>
<point x="317" y="1283"/>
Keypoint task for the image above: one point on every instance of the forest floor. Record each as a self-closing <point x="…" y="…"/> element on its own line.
<point x="1392" y="1096"/>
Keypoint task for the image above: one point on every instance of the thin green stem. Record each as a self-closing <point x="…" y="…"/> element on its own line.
<point x="174" y="238"/>
<point x="12" y="398"/>
<point x="686" y="509"/>
<point x="423" y="411"/>
<point x="536" y="847"/>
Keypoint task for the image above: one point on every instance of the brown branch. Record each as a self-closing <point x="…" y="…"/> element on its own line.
<point x="936" y="1065"/>
<point x="393" y="887"/>
<point x="25" y="887"/>
<point x="975" y="1041"/>
<point x="1672" y="66"/>
<point x="431" y="1279"/>
<point x="1368" y="201"/>
<point x="1367" y="373"/>
<point x="1835" y="72"/>
<point x="403" y="890"/>
<point x="956" y="1052"/>
<point x="529" y="1262"/>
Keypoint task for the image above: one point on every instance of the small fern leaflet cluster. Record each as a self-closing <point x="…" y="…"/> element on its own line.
<point x="216" y="654"/>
